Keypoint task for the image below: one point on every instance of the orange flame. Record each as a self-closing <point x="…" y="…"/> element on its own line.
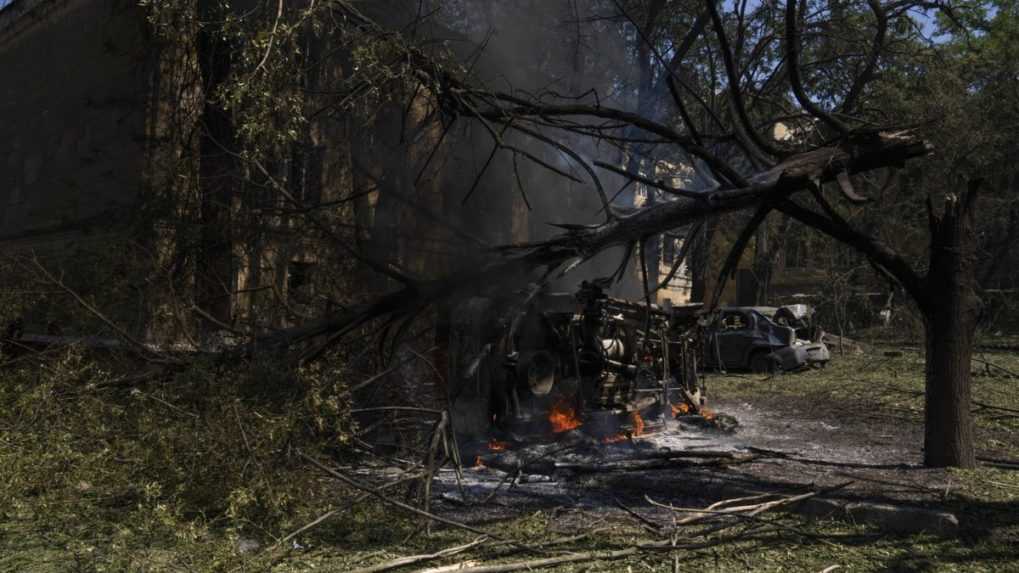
<point x="681" y="408"/>
<point x="638" y="423"/>
<point x="562" y="417"/>
<point x="497" y="446"/>
<point x="478" y="464"/>
<point x="708" y="413"/>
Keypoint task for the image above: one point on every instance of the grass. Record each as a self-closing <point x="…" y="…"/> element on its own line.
<point x="179" y="475"/>
<point x="890" y="381"/>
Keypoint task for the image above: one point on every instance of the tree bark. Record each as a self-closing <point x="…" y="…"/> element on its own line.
<point x="950" y="310"/>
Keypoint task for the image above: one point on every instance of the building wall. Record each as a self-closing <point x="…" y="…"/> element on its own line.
<point x="72" y="116"/>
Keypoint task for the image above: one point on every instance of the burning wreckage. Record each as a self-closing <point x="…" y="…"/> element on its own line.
<point x="609" y="364"/>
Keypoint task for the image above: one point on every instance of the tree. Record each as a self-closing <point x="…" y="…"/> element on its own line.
<point x="747" y="72"/>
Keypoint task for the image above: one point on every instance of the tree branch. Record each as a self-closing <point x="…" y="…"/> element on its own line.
<point x="792" y="55"/>
<point x="875" y="52"/>
<point x="879" y="253"/>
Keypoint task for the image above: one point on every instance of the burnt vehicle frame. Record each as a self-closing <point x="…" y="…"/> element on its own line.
<point x="601" y="358"/>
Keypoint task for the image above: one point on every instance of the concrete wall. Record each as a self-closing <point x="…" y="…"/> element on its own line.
<point x="73" y="100"/>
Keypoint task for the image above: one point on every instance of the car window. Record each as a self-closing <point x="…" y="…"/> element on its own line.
<point x="735" y="321"/>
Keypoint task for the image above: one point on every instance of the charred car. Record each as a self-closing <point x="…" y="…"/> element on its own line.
<point x="562" y="359"/>
<point x="747" y="338"/>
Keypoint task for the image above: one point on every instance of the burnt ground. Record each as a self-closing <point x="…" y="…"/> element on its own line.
<point x="799" y="444"/>
<point x="856" y="426"/>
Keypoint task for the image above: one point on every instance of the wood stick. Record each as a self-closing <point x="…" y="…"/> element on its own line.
<point x="333" y="512"/>
<point x="415" y="559"/>
<point x="389" y="370"/>
<point x="649" y="524"/>
<point x="438" y="437"/>
<point x="724" y="502"/>
<point x="667" y="545"/>
<point x="751" y="510"/>
<point x="374" y="492"/>
<point x="542" y="563"/>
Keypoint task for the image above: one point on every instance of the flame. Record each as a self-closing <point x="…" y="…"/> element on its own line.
<point x="638" y="423"/>
<point x="562" y="417"/>
<point x="478" y="464"/>
<point x="497" y="446"/>
<point x="708" y="413"/>
<point x="638" y="429"/>
<point x="682" y="408"/>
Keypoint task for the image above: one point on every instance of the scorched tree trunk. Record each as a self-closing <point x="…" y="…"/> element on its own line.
<point x="951" y="310"/>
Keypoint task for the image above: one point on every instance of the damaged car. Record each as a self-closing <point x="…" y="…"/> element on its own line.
<point x="746" y="338"/>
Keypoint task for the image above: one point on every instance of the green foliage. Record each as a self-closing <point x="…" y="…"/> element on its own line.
<point x="192" y="462"/>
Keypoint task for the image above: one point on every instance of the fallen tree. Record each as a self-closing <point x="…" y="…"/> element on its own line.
<point x="745" y="168"/>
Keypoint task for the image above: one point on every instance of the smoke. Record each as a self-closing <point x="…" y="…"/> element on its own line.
<point x="560" y="52"/>
<point x="556" y="52"/>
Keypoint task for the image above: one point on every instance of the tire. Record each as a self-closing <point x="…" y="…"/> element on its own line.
<point x="762" y="362"/>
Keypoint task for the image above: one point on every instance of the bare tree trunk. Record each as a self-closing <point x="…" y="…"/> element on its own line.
<point x="218" y="174"/>
<point x="950" y="314"/>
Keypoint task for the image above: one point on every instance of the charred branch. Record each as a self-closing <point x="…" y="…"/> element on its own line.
<point x="518" y="264"/>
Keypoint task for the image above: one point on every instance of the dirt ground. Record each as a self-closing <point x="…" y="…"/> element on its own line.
<point x="856" y="426"/>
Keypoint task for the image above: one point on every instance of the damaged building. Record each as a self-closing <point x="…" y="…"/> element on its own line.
<point x="126" y="154"/>
<point x="124" y="181"/>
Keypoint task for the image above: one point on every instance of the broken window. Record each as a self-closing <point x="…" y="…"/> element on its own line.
<point x="735" y="321"/>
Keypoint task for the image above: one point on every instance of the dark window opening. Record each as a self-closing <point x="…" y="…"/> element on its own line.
<point x="300" y="277"/>
<point x="670" y="248"/>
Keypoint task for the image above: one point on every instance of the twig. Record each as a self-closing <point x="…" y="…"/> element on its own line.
<point x="1001" y="463"/>
<point x="495" y="489"/>
<point x="177" y="409"/>
<point x="354" y="484"/>
<point x="142" y="348"/>
<point x="654" y="527"/>
<point x="272" y="38"/>
<point x="438" y="439"/>
<point x="547" y="562"/>
<point x="993" y="407"/>
<point x="668" y="545"/>
<point x="414" y="409"/>
<point x="743" y="510"/>
<point x="389" y="370"/>
<point x="333" y="512"/>
<point x="415" y="559"/>
<point x="996" y="367"/>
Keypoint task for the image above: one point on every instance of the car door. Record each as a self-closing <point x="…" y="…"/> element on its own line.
<point x="733" y="337"/>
